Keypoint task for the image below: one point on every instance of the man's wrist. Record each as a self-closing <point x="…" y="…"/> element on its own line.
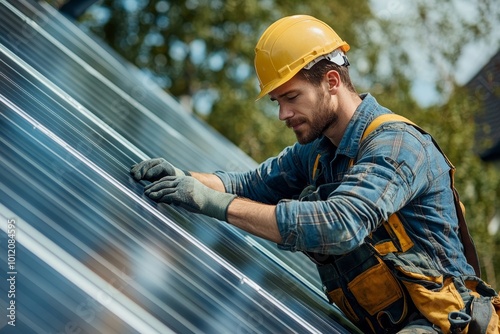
<point x="219" y="204"/>
<point x="180" y="172"/>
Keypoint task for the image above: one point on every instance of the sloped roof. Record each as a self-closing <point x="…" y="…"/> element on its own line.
<point x="91" y="252"/>
<point x="485" y="86"/>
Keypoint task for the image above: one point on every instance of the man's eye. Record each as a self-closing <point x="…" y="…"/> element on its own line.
<point x="290" y="98"/>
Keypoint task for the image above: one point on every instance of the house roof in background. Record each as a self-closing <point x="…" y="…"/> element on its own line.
<point x="485" y="86"/>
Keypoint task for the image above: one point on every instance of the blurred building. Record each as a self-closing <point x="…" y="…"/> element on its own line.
<point x="485" y="86"/>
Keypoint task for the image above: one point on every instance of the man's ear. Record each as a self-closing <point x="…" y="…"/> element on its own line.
<point x="334" y="82"/>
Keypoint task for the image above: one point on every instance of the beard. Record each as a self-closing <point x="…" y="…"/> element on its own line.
<point x="321" y="120"/>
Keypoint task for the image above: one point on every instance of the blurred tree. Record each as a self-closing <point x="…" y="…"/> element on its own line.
<point x="202" y="52"/>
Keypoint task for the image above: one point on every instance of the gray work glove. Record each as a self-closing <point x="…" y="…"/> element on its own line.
<point x="191" y="194"/>
<point x="154" y="169"/>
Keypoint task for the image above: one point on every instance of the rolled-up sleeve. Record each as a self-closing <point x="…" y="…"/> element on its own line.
<point x="326" y="227"/>
<point x="275" y="179"/>
<point x="387" y="177"/>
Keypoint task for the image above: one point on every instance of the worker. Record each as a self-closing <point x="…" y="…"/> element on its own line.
<point x="377" y="215"/>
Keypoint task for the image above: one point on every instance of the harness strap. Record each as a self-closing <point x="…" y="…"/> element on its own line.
<point x="396" y="227"/>
<point x="466" y="238"/>
<point x="400" y="241"/>
<point x="379" y="120"/>
<point x="315" y="167"/>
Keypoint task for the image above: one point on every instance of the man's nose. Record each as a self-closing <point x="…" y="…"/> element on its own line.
<point x="285" y="113"/>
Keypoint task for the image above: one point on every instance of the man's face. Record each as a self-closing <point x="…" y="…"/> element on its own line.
<point x="305" y="108"/>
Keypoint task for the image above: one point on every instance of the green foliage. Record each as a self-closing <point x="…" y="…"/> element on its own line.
<point x="203" y="50"/>
<point x="477" y="182"/>
<point x="206" y="48"/>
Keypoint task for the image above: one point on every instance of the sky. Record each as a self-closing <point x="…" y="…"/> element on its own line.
<point x="473" y="57"/>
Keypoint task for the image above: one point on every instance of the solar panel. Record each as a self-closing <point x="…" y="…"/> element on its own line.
<point x="88" y="252"/>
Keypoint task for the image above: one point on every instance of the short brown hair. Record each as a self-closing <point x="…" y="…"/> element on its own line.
<point x="316" y="73"/>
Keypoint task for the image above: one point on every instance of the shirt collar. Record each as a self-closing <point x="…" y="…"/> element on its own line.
<point x="364" y="115"/>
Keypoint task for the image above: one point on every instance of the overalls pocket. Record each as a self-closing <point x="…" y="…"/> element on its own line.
<point x="437" y="303"/>
<point x="376" y="288"/>
<point x="366" y="290"/>
<point x="438" y="297"/>
<point x="495" y="324"/>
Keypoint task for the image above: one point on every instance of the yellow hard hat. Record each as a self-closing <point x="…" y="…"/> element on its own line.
<point x="288" y="45"/>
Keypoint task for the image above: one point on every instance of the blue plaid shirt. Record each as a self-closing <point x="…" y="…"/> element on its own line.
<point x="396" y="168"/>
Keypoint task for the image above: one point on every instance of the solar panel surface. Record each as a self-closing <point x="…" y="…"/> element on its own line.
<point x="92" y="254"/>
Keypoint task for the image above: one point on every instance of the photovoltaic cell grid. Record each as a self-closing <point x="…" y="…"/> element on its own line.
<point x="92" y="254"/>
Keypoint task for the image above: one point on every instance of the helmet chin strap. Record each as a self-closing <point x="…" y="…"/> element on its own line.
<point x="337" y="56"/>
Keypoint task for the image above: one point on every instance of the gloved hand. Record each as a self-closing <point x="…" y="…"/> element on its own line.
<point x="191" y="194"/>
<point x="154" y="169"/>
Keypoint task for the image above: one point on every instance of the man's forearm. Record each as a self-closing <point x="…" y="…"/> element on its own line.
<point x="256" y="218"/>
<point x="210" y="180"/>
